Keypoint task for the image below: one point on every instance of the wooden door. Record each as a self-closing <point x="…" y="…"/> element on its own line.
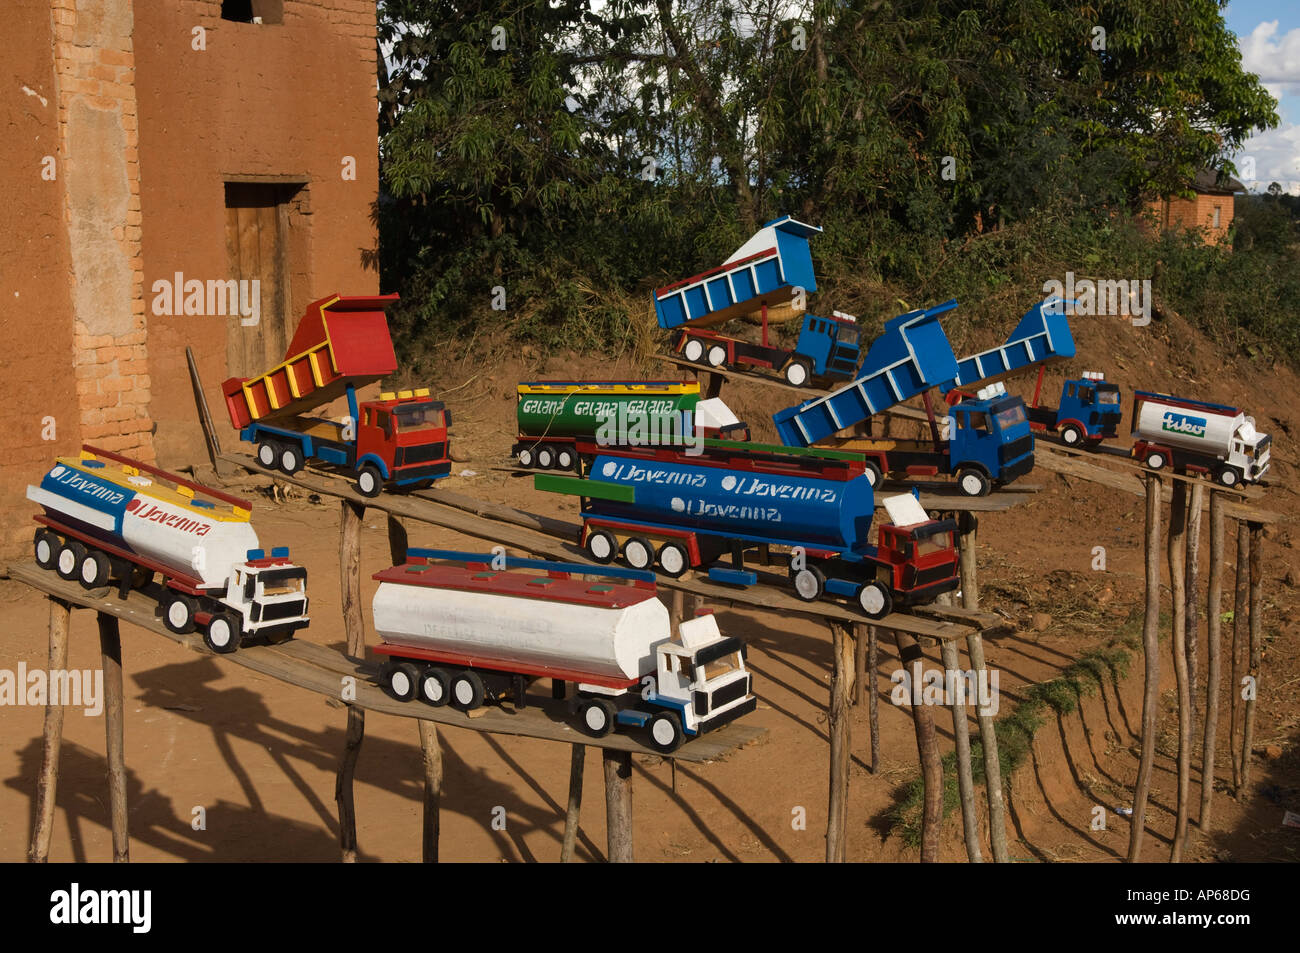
<point x="256" y="247"/>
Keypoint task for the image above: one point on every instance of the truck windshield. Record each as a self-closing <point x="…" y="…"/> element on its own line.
<point x="1011" y="416"/>
<point x="1110" y="397"/>
<point x="846" y="334"/>
<point x="721" y="666"/>
<point x="412" y="417"/>
<point x="934" y="544"/>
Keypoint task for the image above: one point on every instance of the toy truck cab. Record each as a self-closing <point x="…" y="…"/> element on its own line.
<point x="401" y="440"/>
<point x="701" y="684"/>
<point x="830" y="345"/>
<point x="270" y="595"/>
<point x="989" y="441"/>
<point x="1089" y="410"/>
<point x="918" y="553"/>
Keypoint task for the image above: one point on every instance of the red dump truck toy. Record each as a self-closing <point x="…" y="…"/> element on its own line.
<point x="342" y="344"/>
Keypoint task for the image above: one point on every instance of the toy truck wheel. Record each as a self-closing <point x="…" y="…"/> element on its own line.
<point x="467" y="691"/>
<point x="797" y="372"/>
<point x="875" y="600"/>
<point x="69" y="559"/>
<point x="717" y="355"/>
<point x="564" y="459"/>
<point x="972" y="482"/>
<point x="369" y="480"/>
<point x="401" y="680"/>
<point x="639" y="553"/>
<point x="1071" y="435"/>
<point x="673" y="559"/>
<point x="665" y="732"/>
<point x="46" y="546"/>
<point x="1227" y="476"/>
<point x="178" y="613"/>
<point x="525" y="457"/>
<point x="694" y="350"/>
<point x="809" y="583"/>
<point x="602" y="547"/>
<point x="874" y="476"/>
<point x="546" y="458"/>
<point x="267" y="454"/>
<point x="223" y="633"/>
<point x="290" y="459"/>
<point x="1156" y="460"/>
<point x="596" y="717"/>
<point x="435" y="687"/>
<point x="95" y="569"/>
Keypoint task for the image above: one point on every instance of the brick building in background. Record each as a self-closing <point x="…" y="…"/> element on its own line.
<point x="147" y="141"/>
<point x="1210" y="208"/>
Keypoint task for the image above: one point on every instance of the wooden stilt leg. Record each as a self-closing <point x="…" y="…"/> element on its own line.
<point x="992" y="761"/>
<point x="859" y="663"/>
<point x="873" y="696"/>
<point x="432" y="753"/>
<point x="1177" y="549"/>
<point x="577" y="764"/>
<point x="927" y="747"/>
<point x="618" y="805"/>
<point x="968" y="526"/>
<point x="1256" y="531"/>
<point x="110" y="648"/>
<point x="52" y="740"/>
<point x="1240" y="619"/>
<point x="838" y="726"/>
<point x="1193" y="598"/>
<point x="350" y="589"/>
<point x="1151" y="683"/>
<point x="955" y="684"/>
<point x="1214" y="600"/>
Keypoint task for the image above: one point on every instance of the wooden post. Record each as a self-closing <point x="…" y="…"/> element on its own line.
<point x="1256" y="533"/>
<point x="859" y="662"/>
<point x="1213" y="605"/>
<point x="873" y="696"/>
<point x="837" y="713"/>
<point x="350" y="591"/>
<point x="1177" y="554"/>
<point x="432" y="754"/>
<point x="577" y="763"/>
<point x="1193" y="599"/>
<point x="205" y="416"/>
<point x="47" y="782"/>
<point x="1239" y="620"/>
<point x="110" y="649"/>
<point x="927" y="748"/>
<point x="398" y="541"/>
<point x="968" y="528"/>
<point x="1151" y="683"/>
<point x="992" y="761"/>
<point x="677" y="610"/>
<point x="961" y="732"/>
<point x="618" y="804"/>
<point x="713" y="385"/>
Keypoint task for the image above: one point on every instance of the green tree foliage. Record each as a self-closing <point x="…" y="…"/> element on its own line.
<point x="568" y="151"/>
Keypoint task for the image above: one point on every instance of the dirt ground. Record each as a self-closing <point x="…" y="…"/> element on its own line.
<point x="260" y="757"/>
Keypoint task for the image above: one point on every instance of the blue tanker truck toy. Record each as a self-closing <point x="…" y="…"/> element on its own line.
<point x="771" y="270"/>
<point x="807" y="511"/>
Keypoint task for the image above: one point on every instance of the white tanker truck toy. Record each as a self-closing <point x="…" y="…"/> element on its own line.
<point x="467" y="628"/>
<point x="109" y="517"/>
<point x="1200" y="437"/>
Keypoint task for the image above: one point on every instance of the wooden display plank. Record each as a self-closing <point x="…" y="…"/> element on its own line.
<point x="321" y="670"/>
<point x="531" y="541"/>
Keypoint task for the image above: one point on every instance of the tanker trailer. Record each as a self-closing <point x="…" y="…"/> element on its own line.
<point x="109" y="517"/>
<point x="1198" y="436"/>
<point x="815" y="507"/>
<point x="553" y="415"/>
<point x="464" y="628"/>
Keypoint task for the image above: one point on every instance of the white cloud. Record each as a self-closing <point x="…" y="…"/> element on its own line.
<point x="1275" y="153"/>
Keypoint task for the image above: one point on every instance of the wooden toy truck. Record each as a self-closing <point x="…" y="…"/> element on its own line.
<point x="342" y="344"/>
<point x="109" y="517"/>
<point x="461" y="628"/>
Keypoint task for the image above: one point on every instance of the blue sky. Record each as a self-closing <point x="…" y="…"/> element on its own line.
<point x="1268" y="33"/>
